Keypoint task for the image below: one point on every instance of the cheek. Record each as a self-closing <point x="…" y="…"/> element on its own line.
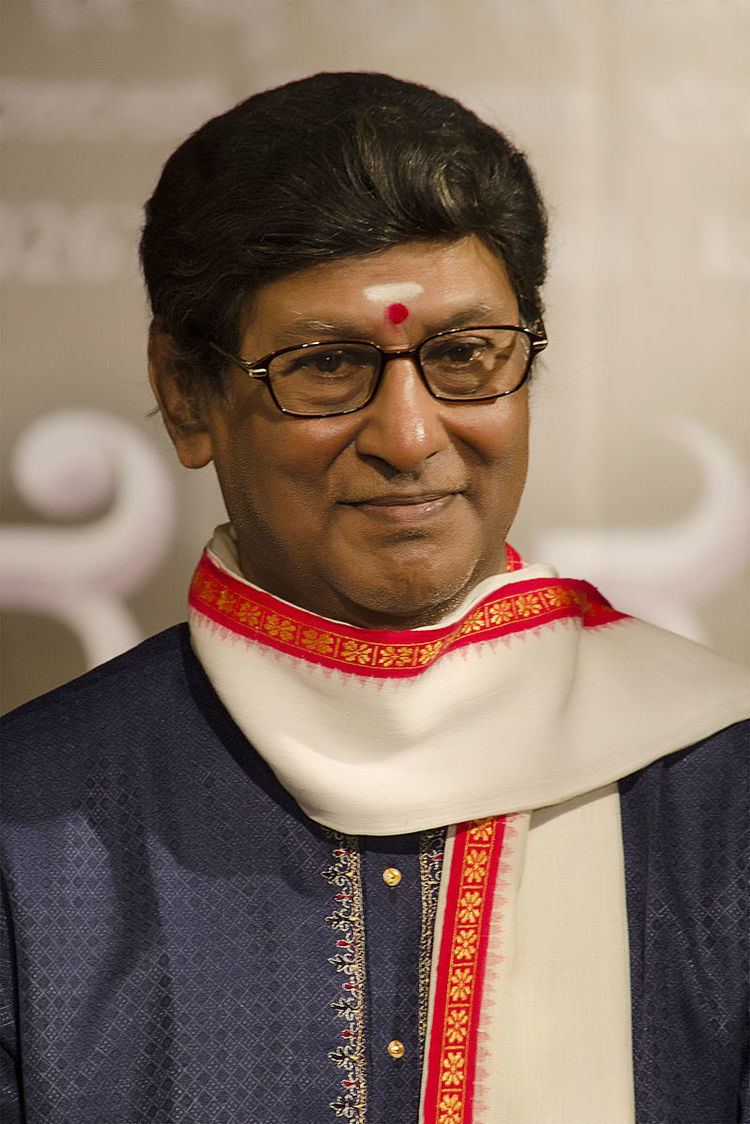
<point x="280" y="464"/>
<point x="499" y="433"/>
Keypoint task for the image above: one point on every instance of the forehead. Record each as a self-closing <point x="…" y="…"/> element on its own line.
<point x="430" y="281"/>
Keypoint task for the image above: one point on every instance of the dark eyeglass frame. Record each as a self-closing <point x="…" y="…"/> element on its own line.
<point x="259" y="369"/>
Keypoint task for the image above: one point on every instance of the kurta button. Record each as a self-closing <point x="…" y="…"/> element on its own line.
<point x="396" y="1049"/>
<point x="391" y="877"/>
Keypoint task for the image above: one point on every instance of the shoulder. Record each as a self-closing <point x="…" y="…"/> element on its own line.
<point x="106" y="712"/>
<point x="687" y="812"/>
<point x="104" y="688"/>
<point x="717" y="766"/>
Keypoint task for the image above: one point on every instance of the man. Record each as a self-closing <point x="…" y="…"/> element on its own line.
<point x="398" y="827"/>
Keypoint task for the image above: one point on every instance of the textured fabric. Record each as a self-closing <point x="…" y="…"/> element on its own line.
<point x="686" y="831"/>
<point x="186" y="943"/>
<point x="391" y="984"/>
<point x="503" y="707"/>
<point x="175" y="921"/>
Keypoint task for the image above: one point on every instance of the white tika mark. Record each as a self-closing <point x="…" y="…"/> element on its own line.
<point x="393" y="291"/>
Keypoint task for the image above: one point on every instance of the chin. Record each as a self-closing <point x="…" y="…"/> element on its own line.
<point x="410" y="600"/>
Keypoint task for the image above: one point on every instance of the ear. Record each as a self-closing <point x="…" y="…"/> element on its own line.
<point x="181" y="411"/>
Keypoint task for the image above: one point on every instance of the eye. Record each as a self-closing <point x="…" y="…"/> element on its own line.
<point x="459" y="352"/>
<point x="326" y="362"/>
<point x="464" y="351"/>
<point x="323" y="378"/>
<point x="476" y="363"/>
<point x="313" y="361"/>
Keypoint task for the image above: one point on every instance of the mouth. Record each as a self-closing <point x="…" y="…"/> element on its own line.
<point x="404" y="508"/>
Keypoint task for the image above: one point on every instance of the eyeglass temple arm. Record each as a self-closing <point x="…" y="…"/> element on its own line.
<point x="538" y="336"/>
<point x="253" y="372"/>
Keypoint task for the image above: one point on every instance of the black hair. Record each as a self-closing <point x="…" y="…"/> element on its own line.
<point x="323" y="168"/>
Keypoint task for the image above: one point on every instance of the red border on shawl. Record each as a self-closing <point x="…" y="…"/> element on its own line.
<point x="452" y="1050"/>
<point x="259" y="616"/>
<point x="513" y="559"/>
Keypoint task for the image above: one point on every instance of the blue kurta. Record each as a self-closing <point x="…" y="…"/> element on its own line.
<point x="186" y="945"/>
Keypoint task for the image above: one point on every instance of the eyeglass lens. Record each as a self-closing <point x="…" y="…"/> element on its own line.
<point x="458" y="366"/>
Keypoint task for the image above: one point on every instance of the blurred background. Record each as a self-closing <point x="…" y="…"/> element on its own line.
<point x="635" y="116"/>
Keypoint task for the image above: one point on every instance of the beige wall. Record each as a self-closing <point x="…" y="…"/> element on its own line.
<point x="635" y="115"/>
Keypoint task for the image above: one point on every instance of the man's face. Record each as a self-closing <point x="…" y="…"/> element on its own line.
<point x="389" y="516"/>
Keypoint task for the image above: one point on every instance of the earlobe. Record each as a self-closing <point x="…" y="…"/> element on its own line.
<point x="180" y="410"/>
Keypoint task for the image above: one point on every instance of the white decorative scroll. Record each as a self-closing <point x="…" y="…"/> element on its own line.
<point x="67" y="465"/>
<point x="664" y="574"/>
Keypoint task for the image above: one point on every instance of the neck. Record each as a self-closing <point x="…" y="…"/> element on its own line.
<point x="410" y="605"/>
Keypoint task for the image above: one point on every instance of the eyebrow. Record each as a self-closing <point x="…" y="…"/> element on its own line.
<point x="304" y="330"/>
<point x="471" y="316"/>
<point x="301" y="329"/>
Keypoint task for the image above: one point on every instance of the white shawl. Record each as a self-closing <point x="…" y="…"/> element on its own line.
<point x="522" y="708"/>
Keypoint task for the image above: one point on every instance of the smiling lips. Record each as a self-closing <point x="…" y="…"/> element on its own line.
<point x="400" y="508"/>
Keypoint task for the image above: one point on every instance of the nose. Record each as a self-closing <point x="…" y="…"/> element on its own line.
<point x="403" y="425"/>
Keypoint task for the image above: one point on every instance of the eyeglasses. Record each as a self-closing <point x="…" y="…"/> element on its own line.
<point x="322" y="380"/>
